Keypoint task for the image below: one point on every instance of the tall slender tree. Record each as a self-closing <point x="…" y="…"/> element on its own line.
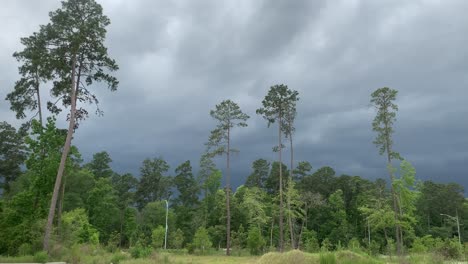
<point x="275" y="107"/>
<point x="34" y="70"/>
<point x="383" y="101"/>
<point x="229" y="115"/>
<point x="288" y="130"/>
<point x="76" y="58"/>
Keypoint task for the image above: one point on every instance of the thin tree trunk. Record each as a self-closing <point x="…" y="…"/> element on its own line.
<point x="299" y="239"/>
<point x="392" y="178"/>
<point x="66" y="149"/>
<point x="60" y="204"/>
<point x="281" y="246"/>
<point x="271" y="231"/>
<point x="228" y="189"/>
<point x="39" y="100"/>
<point x="291" y="229"/>
<point x="121" y="227"/>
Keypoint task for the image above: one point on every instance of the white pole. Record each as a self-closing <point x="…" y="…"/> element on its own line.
<point x="165" y="235"/>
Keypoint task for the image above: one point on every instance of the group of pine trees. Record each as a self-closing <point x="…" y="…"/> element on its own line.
<point x="49" y="196"/>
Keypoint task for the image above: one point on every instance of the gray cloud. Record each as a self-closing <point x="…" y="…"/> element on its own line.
<point x="179" y="58"/>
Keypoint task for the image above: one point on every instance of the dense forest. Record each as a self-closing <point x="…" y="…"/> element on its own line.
<point x="51" y="199"/>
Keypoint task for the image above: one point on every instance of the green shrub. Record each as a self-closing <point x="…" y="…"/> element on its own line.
<point x="25" y="249"/>
<point x="140" y="251"/>
<point x="374" y="248"/>
<point x="118" y="257"/>
<point x="451" y="249"/>
<point x="354" y="244"/>
<point x="177" y="239"/>
<point x="157" y="237"/>
<point x="312" y="245"/>
<point x="201" y="240"/>
<point x="327" y="258"/>
<point x="326" y="245"/>
<point x="255" y="241"/>
<point x="41" y="257"/>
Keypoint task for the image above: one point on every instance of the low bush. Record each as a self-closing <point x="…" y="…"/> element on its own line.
<point x="41" y="257"/>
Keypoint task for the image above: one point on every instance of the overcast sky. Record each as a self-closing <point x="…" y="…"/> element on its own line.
<point x="178" y="59"/>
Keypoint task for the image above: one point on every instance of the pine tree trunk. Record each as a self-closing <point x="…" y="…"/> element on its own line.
<point x="39" y="101"/>
<point x="228" y="189"/>
<point x="281" y="244"/>
<point x="60" y="203"/>
<point x="291" y="229"/>
<point x="66" y="149"/>
<point x="392" y="179"/>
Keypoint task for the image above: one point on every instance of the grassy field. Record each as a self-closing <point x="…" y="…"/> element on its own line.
<point x="294" y="257"/>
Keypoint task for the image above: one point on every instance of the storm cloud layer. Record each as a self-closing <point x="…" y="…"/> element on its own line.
<point x="179" y="58"/>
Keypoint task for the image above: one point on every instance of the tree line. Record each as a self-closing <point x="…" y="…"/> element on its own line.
<point x="50" y="196"/>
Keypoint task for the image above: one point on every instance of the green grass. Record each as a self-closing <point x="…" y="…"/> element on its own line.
<point x="22" y="259"/>
<point x="84" y="255"/>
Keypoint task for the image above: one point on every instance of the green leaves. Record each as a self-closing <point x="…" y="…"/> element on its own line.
<point x="382" y="99"/>
<point x="279" y="103"/>
<point x="12" y="155"/>
<point x="229" y="115"/>
<point x="153" y="185"/>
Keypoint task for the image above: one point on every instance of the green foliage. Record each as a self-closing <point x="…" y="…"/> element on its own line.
<point x="12" y="155"/>
<point x="41" y="257"/>
<point x="258" y="177"/>
<point x="228" y="115"/>
<point x="450" y="249"/>
<point x="255" y="241"/>
<point x="153" y="185"/>
<point x="201" y="240"/>
<point x="177" y="239"/>
<point x="25" y="249"/>
<point x="326" y="245"/>
<point x="140" y="251"/>
<point x="187" y="201"/>
<point x="157" y="237"/>
<point x="118" y="258"/>
<point x="382" y="99"/>
<point x="277" y="102"/>
<point x="354" y="244"/>
<point x="337" y="226"/>
<point x="239" y="238"/>
<point x="75" y="228"/>
<point x="102" y="208"/>
<point x="99" y="165"/>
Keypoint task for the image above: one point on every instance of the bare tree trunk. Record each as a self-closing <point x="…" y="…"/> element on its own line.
<point x="121" y="227"/>
<point x="228" y="189"/>
<point x="39" y="100"/>
<point x="299" y="239"/>
<point x="66" y="149"/>
<point x="281" y="244"/>
<point x="271" y="231"/>
<point x="291" y="229"/>
<point x="394" y="197"/>
<point x="60" y="204"/>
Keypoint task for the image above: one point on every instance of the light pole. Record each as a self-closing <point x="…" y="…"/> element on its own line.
<point x="455" y="218"/>
<point x="165" y="235"/>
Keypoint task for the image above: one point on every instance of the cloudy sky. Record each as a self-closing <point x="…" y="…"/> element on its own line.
<point x="179" y="58"/>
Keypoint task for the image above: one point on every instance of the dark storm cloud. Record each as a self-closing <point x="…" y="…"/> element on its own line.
<point x="179" y="58"/>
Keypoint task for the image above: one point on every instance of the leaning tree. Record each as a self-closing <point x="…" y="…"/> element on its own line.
<point x="73" y="56"/>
